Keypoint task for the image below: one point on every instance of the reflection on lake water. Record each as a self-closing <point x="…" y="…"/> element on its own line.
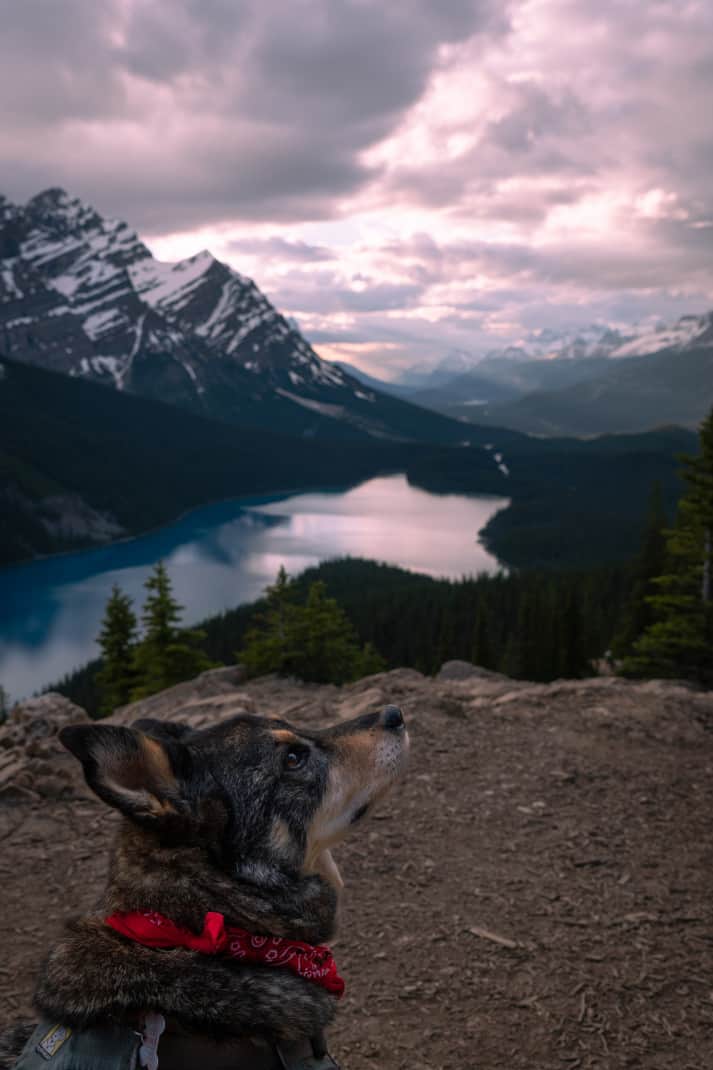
<point x="225" y="554"/>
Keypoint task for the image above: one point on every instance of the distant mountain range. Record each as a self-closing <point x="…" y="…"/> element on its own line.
<point x="591" y="383"/>
<point x="568" y="343"/>
<point x="82" y="295"/>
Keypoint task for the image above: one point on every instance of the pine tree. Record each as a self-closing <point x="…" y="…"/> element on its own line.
<point x="314" y="641"/>
<point x="573" y="658"/>
<point x="679" y="643"/>
<point x="328" y="647"/>
<point x="116" y="640"/>
<point x="3" y="704"/>
<point x="269" y="641"/>
<point x="166" y="654"/>
<point x="483" y="654"/>
<point x="638" y="613"/>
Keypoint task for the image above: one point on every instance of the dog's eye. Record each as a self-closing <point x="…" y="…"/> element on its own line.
<point x="295" y="759"/>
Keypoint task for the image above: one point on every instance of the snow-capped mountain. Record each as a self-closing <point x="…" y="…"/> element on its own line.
<point x="595" y="340"/>
<point x="83" y="295"/>
<point x="689" y="331"/>
<point x="601" y="340"/>
<point x="592" y="383"/>
<point x="581" y="343"/>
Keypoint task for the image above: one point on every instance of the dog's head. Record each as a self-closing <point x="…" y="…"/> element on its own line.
<point x="254" y="791"/>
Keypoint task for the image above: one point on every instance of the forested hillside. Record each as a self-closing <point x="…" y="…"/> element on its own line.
<point x="80" y="464"/>
<point x="128" y="464"/>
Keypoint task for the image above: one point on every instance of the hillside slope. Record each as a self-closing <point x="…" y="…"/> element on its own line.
<point x="539" y="886"/>
<point x="80" y="463"/>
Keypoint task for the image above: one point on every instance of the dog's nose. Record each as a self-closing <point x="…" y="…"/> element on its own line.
<point x="392" y="718"/>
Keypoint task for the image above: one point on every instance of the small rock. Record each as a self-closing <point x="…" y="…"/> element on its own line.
<point x="13" y="794"/>
<point x="10" y="771"/>
<point x="50" y="787"/>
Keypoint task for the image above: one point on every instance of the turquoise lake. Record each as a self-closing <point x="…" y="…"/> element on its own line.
<point x="224" y="554"/>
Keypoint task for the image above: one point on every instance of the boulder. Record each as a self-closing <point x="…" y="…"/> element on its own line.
<point x="465" y="670"/>
<point x="32" y="760"/>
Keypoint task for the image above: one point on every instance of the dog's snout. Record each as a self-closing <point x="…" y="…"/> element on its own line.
<point x="392" y="718"/>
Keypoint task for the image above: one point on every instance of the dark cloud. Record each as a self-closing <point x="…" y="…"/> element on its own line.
<point x="326" y="292"/>
<point x="213" y="110"/>
<point x="280" y="249"/>
<point x="591" y="266"/>
<point x="375" y="297"/>
<point x="437" y="175"/>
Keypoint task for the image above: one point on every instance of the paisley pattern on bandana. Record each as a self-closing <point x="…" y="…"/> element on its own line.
<point x="314" y="963"/>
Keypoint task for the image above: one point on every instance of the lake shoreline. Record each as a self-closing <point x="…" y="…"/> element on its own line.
<point x="249" y="501"/>
<point x="223" y="554"/>
<point x="246" y="500"/>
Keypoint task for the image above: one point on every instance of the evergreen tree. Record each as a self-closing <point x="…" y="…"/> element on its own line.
<point x="314" y="640"/>
<point x="116" y="640"/>
<point x="638" y="613"/>
<point x="270" y="639"/>
<point x="3" y="704"/>
<point x="573" y="658"/>
<point x="166" y="654"/>
<point x="483" y="653"/>
<point x="679" y="643"/>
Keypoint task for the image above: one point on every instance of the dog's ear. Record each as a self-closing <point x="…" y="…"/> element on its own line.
<point x="130" y="770"/>
<point x="162" y="729"/>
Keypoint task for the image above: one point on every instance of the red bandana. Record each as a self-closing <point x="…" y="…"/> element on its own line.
<point x="315" y="963"/>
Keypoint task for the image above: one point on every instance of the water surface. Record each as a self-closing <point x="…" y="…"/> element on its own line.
<point x="224" y="554"/>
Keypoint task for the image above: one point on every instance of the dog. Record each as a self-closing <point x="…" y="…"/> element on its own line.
<point x="225" y="830"/>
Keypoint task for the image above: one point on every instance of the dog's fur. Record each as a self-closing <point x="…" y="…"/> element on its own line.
<point x="237" y="818"/>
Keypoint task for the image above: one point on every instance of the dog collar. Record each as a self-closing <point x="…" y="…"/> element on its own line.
<point x="313" y="962"/>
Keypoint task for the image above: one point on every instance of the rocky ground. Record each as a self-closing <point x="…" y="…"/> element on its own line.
<point x="535" y="895"/>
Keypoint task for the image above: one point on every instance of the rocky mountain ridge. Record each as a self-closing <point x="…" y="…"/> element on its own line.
<point x="597" y="340"/>
<point x="83" y="295"/>
<point x="606" y="385"/>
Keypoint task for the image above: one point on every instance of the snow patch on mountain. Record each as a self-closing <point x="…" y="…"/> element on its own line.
<point x="163" y="283"/>
<point x="684" y="333"/>
<point x="10" y="288"/>
<point x="321" y="407"/>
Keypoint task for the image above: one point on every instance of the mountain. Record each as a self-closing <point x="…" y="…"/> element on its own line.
<point x="673" y="385"/>
<point x="83" y="295"/>
<point x="656" y="377"/>
<point x="542" y="346"/>
<point x="577" y="344"/>
<point x="502" y="379"/>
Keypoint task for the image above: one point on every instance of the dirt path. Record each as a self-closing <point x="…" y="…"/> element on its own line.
<point x="536" y="895"/>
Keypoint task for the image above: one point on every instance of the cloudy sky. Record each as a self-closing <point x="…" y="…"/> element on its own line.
<point x="406" y="179"/>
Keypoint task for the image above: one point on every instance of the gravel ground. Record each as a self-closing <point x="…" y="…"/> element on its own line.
<point x="536" y="894"/>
